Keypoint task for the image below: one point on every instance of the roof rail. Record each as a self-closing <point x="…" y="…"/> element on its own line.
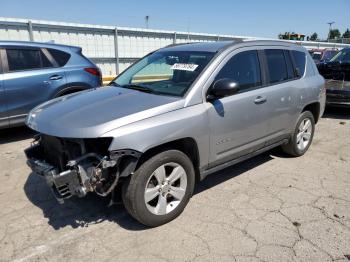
<point x="176" y="44"/>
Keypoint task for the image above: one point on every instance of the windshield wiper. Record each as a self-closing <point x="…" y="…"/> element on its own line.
<point x="141" y="88"/>
<point x="114" y="84"/>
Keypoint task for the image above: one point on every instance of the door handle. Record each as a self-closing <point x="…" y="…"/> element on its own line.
<point x="55" y="77"/>
<point x="260" y="100"/>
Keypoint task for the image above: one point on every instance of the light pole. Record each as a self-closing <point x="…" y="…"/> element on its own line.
<point x="146" y="20"/>
<point x="330" y="28"/>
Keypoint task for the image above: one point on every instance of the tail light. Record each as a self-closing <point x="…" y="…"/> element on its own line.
<point x="94" y="71"/>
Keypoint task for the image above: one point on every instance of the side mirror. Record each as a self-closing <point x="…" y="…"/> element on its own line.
<point x="223" y="87"/>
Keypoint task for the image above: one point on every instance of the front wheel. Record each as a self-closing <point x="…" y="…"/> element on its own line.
<point x="302" y="136"/>
<point x="160" y="188"/>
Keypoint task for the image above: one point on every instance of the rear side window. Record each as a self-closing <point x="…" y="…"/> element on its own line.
<point x="289" y="64"/>
<point x="299" y="62"/>
<point x="244" y="69"/>
<point x="276" y="65"/>
<point x="26" y="59"/>
<point x="60" y="56"/>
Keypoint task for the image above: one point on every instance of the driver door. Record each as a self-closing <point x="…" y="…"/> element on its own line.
<point x="238" y="123"/>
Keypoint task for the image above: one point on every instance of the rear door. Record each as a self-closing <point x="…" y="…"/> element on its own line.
<point x="30" y="78"/>
<point x="3" y="105"/>
<point x="281" y="92"/>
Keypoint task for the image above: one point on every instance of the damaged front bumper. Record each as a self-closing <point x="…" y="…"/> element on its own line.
<point x="90" y="172"/>
<point x="63" y="185"/>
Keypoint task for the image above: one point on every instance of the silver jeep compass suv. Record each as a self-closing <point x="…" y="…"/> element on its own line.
<point x="172" y="118"/>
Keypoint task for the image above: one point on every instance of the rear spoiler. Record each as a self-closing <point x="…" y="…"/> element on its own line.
<point x="76" y="49"/>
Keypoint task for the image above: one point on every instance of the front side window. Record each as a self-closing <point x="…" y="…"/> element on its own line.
<point x="276" y="65"/>
<point x="244" y="69"/>
<point x="165" y="73"/>
<point x="25" y="59"/>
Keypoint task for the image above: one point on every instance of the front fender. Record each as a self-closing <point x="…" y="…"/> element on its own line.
<point x="148" y="133"/>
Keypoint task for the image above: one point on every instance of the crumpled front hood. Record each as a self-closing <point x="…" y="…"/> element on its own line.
<point x="90" y="114"/>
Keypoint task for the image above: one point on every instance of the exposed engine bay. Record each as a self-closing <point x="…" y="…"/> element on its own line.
<point x="74" y="167"/>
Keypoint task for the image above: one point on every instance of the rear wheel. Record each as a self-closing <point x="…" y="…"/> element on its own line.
<point x="160" y="188"/>
<point x="70" y="90"/>
<point x="303" y="135"/>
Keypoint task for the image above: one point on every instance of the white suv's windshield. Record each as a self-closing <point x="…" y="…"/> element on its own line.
<point x="167" y="72"/>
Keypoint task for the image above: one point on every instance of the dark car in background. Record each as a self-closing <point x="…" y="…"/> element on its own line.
<point x="337" y="75"/>
<point x="32" y="73"/>
<point x="322" y="55"/>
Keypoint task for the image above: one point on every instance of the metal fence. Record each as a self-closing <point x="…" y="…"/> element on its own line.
<point x="112" y="48"/>
<point x="341" y="40"/>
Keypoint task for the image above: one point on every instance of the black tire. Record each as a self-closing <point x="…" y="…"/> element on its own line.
<point x="134" y="188"/>
<point x="292" y="148"/>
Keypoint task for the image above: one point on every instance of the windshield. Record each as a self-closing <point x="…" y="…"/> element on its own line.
<point x="167" y="73"/>
<point x="327" y="55"/>
<point x="342" y="56"/>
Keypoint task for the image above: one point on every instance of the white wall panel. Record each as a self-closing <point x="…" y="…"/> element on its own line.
<point x="13" y="33"/>
<point x="107" y="68"/>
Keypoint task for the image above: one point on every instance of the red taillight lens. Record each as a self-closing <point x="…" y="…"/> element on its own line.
<point x="94" y="71"/>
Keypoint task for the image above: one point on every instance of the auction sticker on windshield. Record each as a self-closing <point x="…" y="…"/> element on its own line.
<point x="184" y="67"/>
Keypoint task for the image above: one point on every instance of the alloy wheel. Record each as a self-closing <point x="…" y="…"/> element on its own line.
<point x="304" y="134"/>
<point x="165" y="188"/>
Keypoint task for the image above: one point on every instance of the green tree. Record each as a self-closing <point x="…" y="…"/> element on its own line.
<point x="346" y="33"/>
<point x="285" y="35"/>
<point x="313" y="37"/>
<point x="334" y="33"/>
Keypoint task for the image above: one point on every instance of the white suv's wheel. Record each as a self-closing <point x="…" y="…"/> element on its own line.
<point x="163" y="193"/>
<point x="302" y="136"/>
<point x="160" y="188"/>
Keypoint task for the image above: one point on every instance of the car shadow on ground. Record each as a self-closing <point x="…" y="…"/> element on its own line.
<point x="340" y="113"/>
<point x="93" y="209"/>
<point x="15" y="134"/>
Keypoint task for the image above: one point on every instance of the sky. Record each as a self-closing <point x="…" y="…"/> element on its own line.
<point x="262" y="18"/>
